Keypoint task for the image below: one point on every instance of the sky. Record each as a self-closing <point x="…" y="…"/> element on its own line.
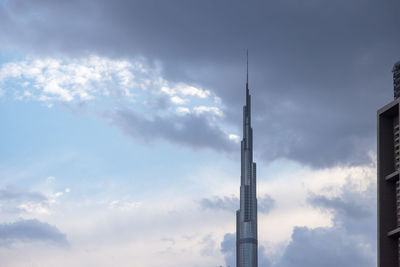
<point x="121" y="127"/>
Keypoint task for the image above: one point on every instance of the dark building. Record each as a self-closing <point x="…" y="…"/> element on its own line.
<point x="388" y="179"/>
<point x="246" y="216"/>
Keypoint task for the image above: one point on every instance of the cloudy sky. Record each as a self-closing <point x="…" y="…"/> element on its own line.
<point x="121" y="121"/>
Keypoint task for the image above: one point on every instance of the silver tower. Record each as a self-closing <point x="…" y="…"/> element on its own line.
<point x="246" y="216"/>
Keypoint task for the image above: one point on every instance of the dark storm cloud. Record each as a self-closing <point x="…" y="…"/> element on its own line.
<point x="192" y="131"/>
<point x="265" y="203"/>
<point x="318" y="69"/>
<point x="31" y="231"/>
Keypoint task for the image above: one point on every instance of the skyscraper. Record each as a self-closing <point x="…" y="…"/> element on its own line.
<point x="388" y="178"/>
<point x="246" y="216"/>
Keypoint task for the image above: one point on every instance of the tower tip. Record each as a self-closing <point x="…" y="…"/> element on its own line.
<point x="247" y="65"/>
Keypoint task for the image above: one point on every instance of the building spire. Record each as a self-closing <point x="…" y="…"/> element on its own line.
<point x="247" y="81"/>
<point x="247" y="73"/>
<point x="246" y="216"/>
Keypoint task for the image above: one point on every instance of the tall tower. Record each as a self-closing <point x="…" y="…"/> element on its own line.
<point x="388" y="178"/>
<point x="246" y="216"/>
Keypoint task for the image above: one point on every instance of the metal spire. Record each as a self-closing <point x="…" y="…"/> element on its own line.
<point x="247" y="81"/>
<point x="247" y="73"/>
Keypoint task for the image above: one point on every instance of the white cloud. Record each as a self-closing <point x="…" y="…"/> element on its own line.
<point x="185" y="89"/>
<point x="35" y="207"/>
<point x="124" y="205"/>
<point x="77" y="80"/>
<point x="51" y="179"/>
<point x="104" y="230"/>
<point x="183" y="110"/>
<point x="234" y="137"/>
<point x="67" y="79"/>
<point x="168" y="90"/>
<point x="206" y="109"/>
<point x="178" y="100"/>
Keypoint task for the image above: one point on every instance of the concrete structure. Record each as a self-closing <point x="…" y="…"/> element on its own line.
<point x="388" y="179"/>
<point x="246" y="216"/>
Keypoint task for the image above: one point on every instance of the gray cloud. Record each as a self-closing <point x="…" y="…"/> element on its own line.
<point x="31" y="231"/>
<point x="230" y="204"/>
<point x="265" y="203"/>
<point x="338" y="205"/>
<point x="192" y="131"/>
<point x="353" y="211"/>
<point x="13" y="194"/>
<point x="319" y="69"/>
<point x="228" y="249"/>
<point x="325" y="247"/>
<point x="351" y="241"/>
<point x="11" y="198"/>
<point x="208" y="245"/>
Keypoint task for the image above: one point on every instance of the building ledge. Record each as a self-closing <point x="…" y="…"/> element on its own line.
<point x="394" y="233"/>
<point x="392" y="177"/>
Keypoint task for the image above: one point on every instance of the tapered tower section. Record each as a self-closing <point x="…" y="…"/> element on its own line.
<point x="246" y="216"/>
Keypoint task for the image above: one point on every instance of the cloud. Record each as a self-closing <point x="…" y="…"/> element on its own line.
<point x="234" y="138"/>
<point x="186" y="90"/>
<point x="208" y="245"/>
<point x="204" y="109"/>
<point x="231" y="204"/>
<point x="351" y="241"/>
<point x="124" y="206"/>
<point x="13" y="200"/>
<point x="265" y="203"/>
<point x="13" y="194"/>
<point x="105" y="81"/>
<point x="192" y="131"/>
<point x="31" y="231"/>
<point x="338" y="205"/>
<point x="178" y="100"/>
<point x="325" y="247"/>
<point x="318" y="69"/>
<point x="16" y="201"/>
<point x="82" y="79"/>
<point x="354" y="210"/>
<point x="228" y="249"/>
<point x="66" y="79"/>
<point x="183" y="110"/>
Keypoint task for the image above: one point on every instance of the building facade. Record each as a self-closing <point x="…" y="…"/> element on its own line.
<point x="388" y="161"/>
<point x="246" y="216"/>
